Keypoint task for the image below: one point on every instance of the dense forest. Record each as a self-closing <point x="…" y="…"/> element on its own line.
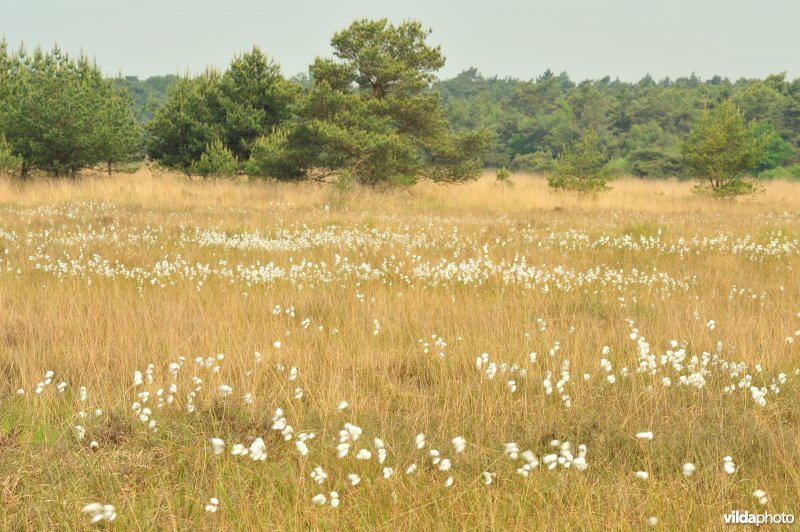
<point x="641" y="125"/>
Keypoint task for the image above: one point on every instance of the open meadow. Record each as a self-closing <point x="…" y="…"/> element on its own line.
<point x="450" y="357"/>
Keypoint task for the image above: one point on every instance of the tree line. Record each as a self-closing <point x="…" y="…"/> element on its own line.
<point x="376" y="114"/>
<point x="367" y="116"/>
<point x="641" y="127"/>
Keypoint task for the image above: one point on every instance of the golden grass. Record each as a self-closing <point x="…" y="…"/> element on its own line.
<point x="96" y="330"/>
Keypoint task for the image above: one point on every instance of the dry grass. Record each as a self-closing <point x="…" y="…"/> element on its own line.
<point x="650" y="252"/>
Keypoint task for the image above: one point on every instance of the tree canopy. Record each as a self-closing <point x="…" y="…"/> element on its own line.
<point x="59" y="115"/>
<point x="234" y="107"/>
<point x="369" y="115"/>
<point x="721" y="147"/>
<point x="641" y="125"/>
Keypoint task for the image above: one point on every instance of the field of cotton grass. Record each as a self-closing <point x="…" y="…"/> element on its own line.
<point x="219" y="355"/>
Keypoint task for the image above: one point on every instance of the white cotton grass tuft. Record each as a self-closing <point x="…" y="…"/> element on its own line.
<point x="645" y="435"/>
<point x="363" y="454"/>
<point x="459" y="444"/>
<point x="511" y="450"/>
<point x="761" y="495"/>
<point x="301" y="447"/>
<point x="688" y="469"/>
<point x="419" y="441"/>
<point x="652" y="521"/>
<point x="728" y="465"/>
<point x="343" y="405"/>
<point x="212" y="506"/>
<point x="100" y="512"/>
<point x="353" y="479"/>
<point x="239" y="450"/>
<point x="218" y="445"/>
<point x="258" y="450"/>
<point x="642" y="475"/>
<point x="319" y="475"/>
<point x="319" y="499"/>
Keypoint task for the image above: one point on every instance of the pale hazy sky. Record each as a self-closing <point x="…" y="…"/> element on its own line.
<point x="585" y="38"/>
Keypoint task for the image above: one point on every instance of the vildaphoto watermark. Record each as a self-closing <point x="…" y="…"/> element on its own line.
<point x="765" y="518"/>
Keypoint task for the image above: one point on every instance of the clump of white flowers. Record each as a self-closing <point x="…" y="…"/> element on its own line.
<point x="728" y="465"/>
<point x="212" y="505"/>
<point x="258" y="450"/>
<point x="100" y="512"/>
<point x="218" y="445"/>
<point x="459" y="444"/>
<point x="761" y="496"/>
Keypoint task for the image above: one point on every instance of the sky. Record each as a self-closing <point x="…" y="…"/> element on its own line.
<point x="588" y="39"/>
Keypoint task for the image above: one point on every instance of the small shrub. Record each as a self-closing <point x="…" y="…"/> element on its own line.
<point x="216" y="161"/>
<point x="730" y="189"/>
<point x="581" y="167"/>
<point x="504" y="177"/>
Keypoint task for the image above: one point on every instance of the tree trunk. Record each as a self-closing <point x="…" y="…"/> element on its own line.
<point x="109" y="168"/>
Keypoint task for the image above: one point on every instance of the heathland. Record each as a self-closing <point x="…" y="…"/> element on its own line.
<point x="230" y="354"/>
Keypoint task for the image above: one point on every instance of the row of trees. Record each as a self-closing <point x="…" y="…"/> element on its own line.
<point x="366" y="116"/>
<point x="59" y="115"/>
<point x="720" y="149"/>
<point x="641" y="127"/>
<point x="375" y="114"/>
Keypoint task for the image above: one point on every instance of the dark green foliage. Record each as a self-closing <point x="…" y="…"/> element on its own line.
<point x="504" y="177"/>
<point x="655" y="162"/>
<point x="254" y="98"/>
<point x="59" y="115"/>
<point x="370" y="116"/>
<point x="537" y="162"/>
<point x="9" y="163"/>
<point x="784" y="172"/>
<point x="581" y="166"/>
<point x="189" y="120"/>
<point x="235" y="108"/>
<point x="721" y="148"/>
<point x="216" y="161"/>
<point x="547" y="114"/>
<point x="776" y="150"/>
